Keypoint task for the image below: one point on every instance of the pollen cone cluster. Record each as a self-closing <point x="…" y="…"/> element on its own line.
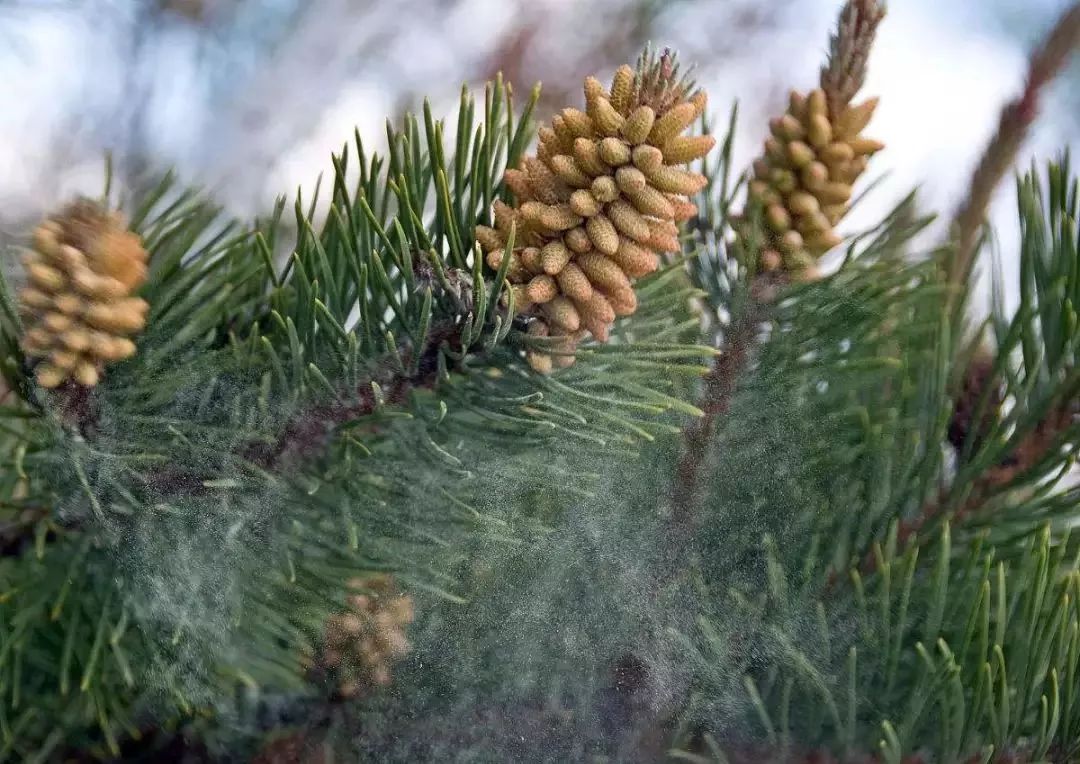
<point x="804" y="179"/>
<point x="362" y="643"/>
<point x="598" y="204"/>
<point x="77" y="304"/>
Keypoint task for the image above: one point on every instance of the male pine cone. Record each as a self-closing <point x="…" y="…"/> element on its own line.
<point x="362" y="643"/>
<point x="803" y="182"/>
<point x="597" y="204"/>
<point x="77" y="303"/>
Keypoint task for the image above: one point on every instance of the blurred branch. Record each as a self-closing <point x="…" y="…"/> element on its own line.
<point x="1017" y="117"/>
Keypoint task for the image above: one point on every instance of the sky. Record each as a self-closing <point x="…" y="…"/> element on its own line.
<point x="253" y="112"/>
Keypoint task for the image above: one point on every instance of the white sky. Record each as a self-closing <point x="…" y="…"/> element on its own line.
<point x="943" y="70"/>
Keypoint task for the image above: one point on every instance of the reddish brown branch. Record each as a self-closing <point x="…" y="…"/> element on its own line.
<point x="1016" y="119"/>
<point x="1029" y="451"/>
<point x="718" y="390"/>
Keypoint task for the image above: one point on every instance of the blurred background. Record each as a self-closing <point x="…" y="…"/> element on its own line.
<point x="248" y="98"/>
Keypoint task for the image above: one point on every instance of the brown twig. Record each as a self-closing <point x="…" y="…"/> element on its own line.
<point x="718" y="390"/>
<point x="1016" y="119"/>
<point x="1029" y="451"/>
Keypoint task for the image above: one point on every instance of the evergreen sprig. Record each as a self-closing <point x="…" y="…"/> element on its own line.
<point x="296" y="415"/>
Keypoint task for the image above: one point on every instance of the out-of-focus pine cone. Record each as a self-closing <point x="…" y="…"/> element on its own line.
<point x="803" y="181"/>
<point x="978" y="380"/>
<point x="78" y="305"/>
<point x="598" y="204"/>
<point x="362" y="643"/>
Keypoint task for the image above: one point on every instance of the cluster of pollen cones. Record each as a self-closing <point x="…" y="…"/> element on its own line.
<point x="597" y="205"/>
<point x="362" y="643"/>
<point x="78" y="305"/>
<point x="803" y="181"/>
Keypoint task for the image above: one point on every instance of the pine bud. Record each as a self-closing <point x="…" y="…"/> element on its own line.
<point x="361" y="644"/>
<point x="865" y="146"/>
<point x="676" y="181"/>
<point x="662" y="239"/>
<point x="804" y="178"/>
<point x="602" y="233"/>
<point x="564" y="134"/>
<point x="623" y="302"/>
<point x="792" y="241"/>
<point x="605" y="118"/>
<point x="672" y="123"/>
<point x="627" y="221"/>
<point x="569" y="173"/>
<point x="577" y="239"/>
<point x="603" y="273"/>
<point x="529" y="262"/>
<point x="649" y="201"/>
<point x="587" y="156"/>
<point x="34" y="300"/>
<point x="541" y="289"/>
<point x="489" y="239"/>
<point x="854" y="119"/>
<point x="700" y="99"/>
<point x="578" y="123"/>
<point x="605" y="189"/>
<point x="622" y="87"/>
<point x="647" y="158"/>
<point x="614" y="152"/>
<point x="584" y="203"/>
<point x="543" y="182"/>
<point x="630" y="180"/>
<point x="597" y="307"/>
<point x="814" y="176"/>
<point x="797" y="105"/>
<point x="562" y="313"/>
<point x="819" y="131"/>
<point x="559" y="217"/>
<point x="45" y="278"/>
<point x="783" y="180"/>
<point x="801" y="203"/>
<point x="518" y="184"/>
<point x="554" y="257"/>
<point x="635" y="260"/>
<point x="684" y="149"/>
<point x="800" y="155"/>
<point x="834" y="193"/>
<point x="593" y="89"/>
<point x="574" y="284"/>
<point x="777" y="218"/>
<point x="637" y="126"/>
<point x="682" y="209"/>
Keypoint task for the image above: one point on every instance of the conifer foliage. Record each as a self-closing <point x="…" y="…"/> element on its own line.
<point x="565" y="453"/>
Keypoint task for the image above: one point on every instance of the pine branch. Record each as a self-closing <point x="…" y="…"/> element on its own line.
<point x="1046" y="63"/>
<point x="1043" y="337"/>
<point x="718" y="389"/>
<point x="841" y="78"/>
<point x="1027" y="454"/>
<point x="941" y="653"/>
